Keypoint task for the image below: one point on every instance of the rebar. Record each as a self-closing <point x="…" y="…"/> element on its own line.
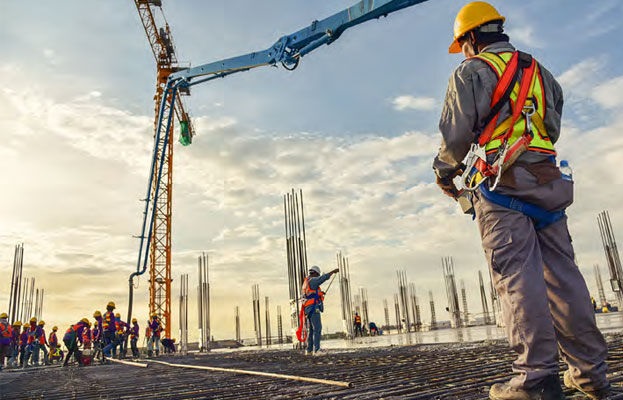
<point x="612" y="255"/>
<point x="451" y="292"/>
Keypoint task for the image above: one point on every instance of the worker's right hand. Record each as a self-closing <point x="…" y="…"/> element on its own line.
<point x="335" y="271"/>
<point x="447" y="184"/>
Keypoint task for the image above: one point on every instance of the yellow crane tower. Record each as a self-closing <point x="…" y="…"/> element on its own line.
<point x="163" y="49"/>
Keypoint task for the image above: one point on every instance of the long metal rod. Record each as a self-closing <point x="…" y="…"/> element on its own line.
<point x="258" y="373"/>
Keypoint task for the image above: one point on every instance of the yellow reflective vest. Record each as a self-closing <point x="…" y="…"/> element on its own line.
<point x="540" y="141"/>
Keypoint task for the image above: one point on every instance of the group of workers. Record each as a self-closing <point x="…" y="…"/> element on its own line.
<point x="106" y="337"/>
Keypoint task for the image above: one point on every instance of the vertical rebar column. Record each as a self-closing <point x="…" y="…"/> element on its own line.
<point x="386" y="309"/>
<point x="451" y="291"/>
<point x="496" y="307"/>
<point x="600" y="286"/>
<point x="237" y="322"/>
<point x="279" y="326"/>
<point x="433" y="316"/>
<point x="16" y="284"/>
<point x="365" y="319"/>
<point x="415" y="307"/>
<point x="464" y="298"/>
<point x="257" y="316"/>
<point x="183" y="313"/>
<point x="483" y="300"/>
<point x="204" y="303"/>
<point x="404" y="298"/>
<point x="345" y="295"/>
<point x="612" y="255"/>
<point x="267" y="311"/>
<point x="296" y="252"/>
<point x="37" y="304"/>
<point x="397" y="310"/>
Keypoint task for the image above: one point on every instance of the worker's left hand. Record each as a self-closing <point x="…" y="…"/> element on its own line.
<point x="335" y="271"/>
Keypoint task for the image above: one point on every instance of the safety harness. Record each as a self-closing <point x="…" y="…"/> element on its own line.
<point x="506" y="141"/>
<point x="312" y="298"/>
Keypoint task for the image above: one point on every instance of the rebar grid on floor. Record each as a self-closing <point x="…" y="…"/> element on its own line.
<point x="451" y="371"/>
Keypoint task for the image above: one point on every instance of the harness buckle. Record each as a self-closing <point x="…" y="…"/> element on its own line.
<point x="469" y="178"/>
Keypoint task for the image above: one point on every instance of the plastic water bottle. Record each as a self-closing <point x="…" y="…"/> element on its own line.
<point x="566" y="171"/>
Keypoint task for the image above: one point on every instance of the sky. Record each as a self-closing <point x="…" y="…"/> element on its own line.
<point x="354" y="127"/>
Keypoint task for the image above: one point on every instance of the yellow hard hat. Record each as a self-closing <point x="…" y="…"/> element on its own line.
<point x="96" y="323"/>
<point x="17" y="323"/>
<point x="55" y="328"/>
<point x="111" y="304"/>
<point x="42" y="322"/>
<point x="4" y="315"/>
<point x="85" y="320"/>
<point x="134" y="320"/>
<point x="471" y="16"/>
<point x="154" y="314"/>
<point x="117" y="315"/>
<point x="33" y="319"/>
<point x="97" y="314"/>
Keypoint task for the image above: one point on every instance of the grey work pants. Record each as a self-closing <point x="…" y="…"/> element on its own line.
<point x="546" y="305"/>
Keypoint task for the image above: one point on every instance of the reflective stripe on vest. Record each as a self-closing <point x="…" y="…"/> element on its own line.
<point x="540" y="141"/>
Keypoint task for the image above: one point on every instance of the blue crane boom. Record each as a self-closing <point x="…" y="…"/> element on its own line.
<point x="290" y="48"/>
<point x="288" y="51"/>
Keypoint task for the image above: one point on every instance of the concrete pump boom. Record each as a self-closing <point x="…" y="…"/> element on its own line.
<point x="288" y="51"/>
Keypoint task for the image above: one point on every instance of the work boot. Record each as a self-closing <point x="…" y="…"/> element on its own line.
<point x="600" y="394"/>
<point x="548" y="389"/>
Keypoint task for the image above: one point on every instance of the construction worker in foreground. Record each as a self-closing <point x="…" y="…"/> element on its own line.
<point x="546" y="306"/>
<point x="32" y="350"/>
<point x="313" y="306"/>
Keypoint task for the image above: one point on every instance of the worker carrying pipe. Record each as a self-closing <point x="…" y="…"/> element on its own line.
<point x="311" y="308"/>
<point x="502" y="118"/>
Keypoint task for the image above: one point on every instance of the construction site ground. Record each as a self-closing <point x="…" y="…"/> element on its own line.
<point x="425" y="371"/>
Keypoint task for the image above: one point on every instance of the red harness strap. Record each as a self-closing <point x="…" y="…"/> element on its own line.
<point x="503" y="85"/>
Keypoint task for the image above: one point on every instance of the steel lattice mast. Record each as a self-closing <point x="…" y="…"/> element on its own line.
<point x="163" y="49"/>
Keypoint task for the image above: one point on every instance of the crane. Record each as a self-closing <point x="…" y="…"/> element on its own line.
<point x="287" y="50"/>
<point x="160" y="195"/>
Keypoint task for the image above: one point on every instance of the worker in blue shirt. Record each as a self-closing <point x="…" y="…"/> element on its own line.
<point x="313" y="305"/>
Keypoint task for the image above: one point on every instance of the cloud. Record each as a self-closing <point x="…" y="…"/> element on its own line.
<point x="609" y="94"/>
<point x="526" y="36"/>
<point x="416" y="103"/>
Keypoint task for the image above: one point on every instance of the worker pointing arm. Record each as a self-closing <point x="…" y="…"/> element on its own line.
<point x="314" y="305"/>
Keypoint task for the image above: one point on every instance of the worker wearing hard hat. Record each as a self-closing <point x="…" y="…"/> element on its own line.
<point x="313" y="306"/>
<point x="72" y="337"/>
<point x="134" y="335"/>
<point x="502" y="117"/>
<point x="109" y="329"/>
<point x="53" y="342"/>
<point x="13" y="360"/>
<point x="155" y="327"/>
<point x="43" y="341"/>
<point x="6" y="335"/>
<point x="32" y="349"/>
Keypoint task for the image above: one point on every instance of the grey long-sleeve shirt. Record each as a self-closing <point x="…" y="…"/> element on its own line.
<point x="467" y="104"/>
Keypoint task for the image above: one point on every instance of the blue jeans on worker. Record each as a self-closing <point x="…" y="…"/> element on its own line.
<point x="314" y="332"/>
<point x="110" y="343"/>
